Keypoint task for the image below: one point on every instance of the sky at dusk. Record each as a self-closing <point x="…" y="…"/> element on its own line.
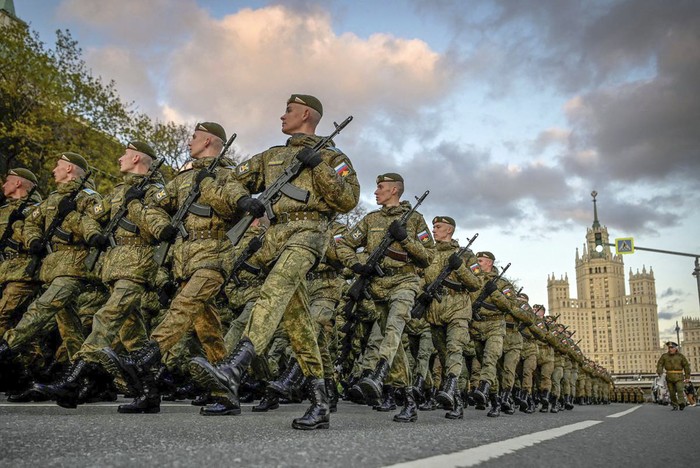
<point x="510" y="112"/>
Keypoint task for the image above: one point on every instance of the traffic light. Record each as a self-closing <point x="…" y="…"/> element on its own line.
<point x="598" y="242"/>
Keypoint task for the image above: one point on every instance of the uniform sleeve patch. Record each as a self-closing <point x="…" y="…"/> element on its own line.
<point x="475" y="268"/>
<point x="161" y="195"/>
<point x="243" y="168"/>
<point x="357" y="234"/>
<point x="98" y="208"/>
<point x="342" y="169"/>
<point x="508" y="292"/>
<point x="89" y="191"/>
<point x="337" y="238"/>
<point x="36" y="213"/>
<point x="423" y="236"/>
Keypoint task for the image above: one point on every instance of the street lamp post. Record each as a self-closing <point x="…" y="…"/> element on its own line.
<point x="678" y="335"/>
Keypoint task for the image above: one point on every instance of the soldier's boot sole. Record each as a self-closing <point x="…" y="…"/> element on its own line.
<point x="209" y="377"/>
<point x="114" y="365"/>
<point x="130" y="409"/>
<point x="304" y="427"/>
<point x="454" y="416"/>
<point x="371" y="389"/>
<point x="218" y="410"/>
<point x="445" y="399"/>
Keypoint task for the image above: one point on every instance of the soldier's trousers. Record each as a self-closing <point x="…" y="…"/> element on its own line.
<point x="675" y="391"/>
<point x="16" y="295"/>
<point x="394" y="313"/>
<point x="322" y="311"/>
<point x="119" y="317"/>
<point x="512" y="347"/>
<point x="421" y="348"/>
<point x="449" y="341"/>
<point x="529" y="364"/>
<point x="545" y="364"/>
<point x="284" y="299"/>
<point x="235" y="331"/>
<point x="573" y="382"/>
<point x="488" y="338"/>
<point x="193" y="308"/>
<point x="566" y="382"/>
<point x="557" y="375"/>
<point x="59" y="297"/>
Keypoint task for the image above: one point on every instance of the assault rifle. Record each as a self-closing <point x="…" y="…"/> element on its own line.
<point x="282" y="186"/>
<point x="54" y="229"/>
<point x="479" y="302"/>
<point x="358" y="289"/>
<point x="6" y="239"/>
<point x="433" y="291"/>
<point x="189" y="206"/>
<point x="239" y="264"/>
<point x="119" y="220"/>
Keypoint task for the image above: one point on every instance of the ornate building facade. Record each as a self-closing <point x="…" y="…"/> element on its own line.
<point x="690" y="345"/>
<point x="618" y="330"/>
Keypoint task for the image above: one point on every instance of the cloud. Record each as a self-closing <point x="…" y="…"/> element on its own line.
<point x="670" y="292"/>
<point x="670" y="316"/>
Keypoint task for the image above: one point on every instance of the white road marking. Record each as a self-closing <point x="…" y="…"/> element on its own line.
<point x="619" y="415"/>
<point x="93" y="405"/>
<point x="476" y="455"/>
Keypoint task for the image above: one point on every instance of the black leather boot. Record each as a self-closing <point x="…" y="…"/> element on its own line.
<point x="544" y="399"/>
<point x="481" y="394"/>
<point x="568" y="402"/>
<point x="372" y="385"/>
<point x="506" y="404"/>
<point x="203" y="398"/>
<point x="430" y="403"/>
<point x="517" y="393"/>
<point x="457" y="411"/>
<point x="355" y="393"/>
<point x="132" y="366"/>
<point x="27" y="396"/>
<point x="148" y="401"/>
<point x="409" y="412"/>
<point x="6" y="354"/>
<point x="388" y="402"/>
<point x="524" y="401"/>
<point x="220" y="406"/>
<point x="495" y="410"/>
<point x="553" y="404"/>
<point x="288" y="383"/>
<point x="318" y="416"/>
<point x="418" y="385"/>
<point x="267" y="403"/>
<point x="446" y="396"/>
<point x="332" y="391"/>
<point x="66" y="390"/>
<point x="530" y="405"/>
<point x="227" y="375"/>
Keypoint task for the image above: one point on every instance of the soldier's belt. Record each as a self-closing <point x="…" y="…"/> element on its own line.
<point x="284" y="217"/>
<point x="251" y="283"/>
<point x="490" y="318"/>
<point x="133" y="241"/>
<point x="399" y="271"/>
<point x="674" y="371"/>
<point x="397" y="255"/>
<point x="56" y="247"/>
<point x="316" y="275"/>
<point x="202" y="234"/>
<point x="511" y="325"/>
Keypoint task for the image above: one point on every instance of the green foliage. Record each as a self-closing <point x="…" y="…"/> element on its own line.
<point x="50" y="102"/>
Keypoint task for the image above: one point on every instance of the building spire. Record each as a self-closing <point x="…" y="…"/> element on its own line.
<point x="596" y="224"/>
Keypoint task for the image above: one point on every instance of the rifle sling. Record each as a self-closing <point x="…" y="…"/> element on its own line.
<point x="398" y="255"/>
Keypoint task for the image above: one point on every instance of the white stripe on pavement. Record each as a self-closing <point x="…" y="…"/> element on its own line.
<point x="93" y="405"/>
<point x="476" y="455"/>
<point x="619" y="415"/>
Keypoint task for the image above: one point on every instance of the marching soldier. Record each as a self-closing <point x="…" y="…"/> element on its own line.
<point x="299" y="237"/>
<point x="677" y="370"/>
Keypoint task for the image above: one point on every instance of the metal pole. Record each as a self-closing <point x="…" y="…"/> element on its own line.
<point x="678" y="335"/>
<point x="696" y="274"/>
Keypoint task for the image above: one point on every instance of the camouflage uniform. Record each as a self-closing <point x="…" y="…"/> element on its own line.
<point x="64" y="269"/>
<point x="395" y="292"/>
<point x="127" y="269"/>
<point x="299" y="238"/>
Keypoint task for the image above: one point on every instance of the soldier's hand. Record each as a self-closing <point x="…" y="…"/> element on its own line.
<point x="454" y="262"/>
<point x="168" y="233"/>
<point x="309" y="157"/>
<point x="362" y="269"/>
<point x="134" y="193"/>
<point x="66" y="205"/>
<point x="98" y="241"/>
<point x="35" y="247"/>
<point x="255" y="244"/>
<point x="203" y="174"/>
<point x="490" y="287"/>
<point x="252" y="206"/>
<point x="398" y="231"/>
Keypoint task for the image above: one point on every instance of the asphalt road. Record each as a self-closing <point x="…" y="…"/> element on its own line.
<point x="42" y="434"/>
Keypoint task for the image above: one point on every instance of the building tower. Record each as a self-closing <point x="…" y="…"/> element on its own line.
<point x="619" y="332"/>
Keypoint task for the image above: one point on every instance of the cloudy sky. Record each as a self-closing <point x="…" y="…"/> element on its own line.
<point x="511" y="113"/>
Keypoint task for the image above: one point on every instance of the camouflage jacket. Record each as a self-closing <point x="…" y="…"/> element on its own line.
<point x="463" y="277"/>
<point x="132" y="258"/>
<point x="15" y="257"/>
<point x="207" y="244"/>
<point x="498" y="302"/>
<point x="68" y="255"/>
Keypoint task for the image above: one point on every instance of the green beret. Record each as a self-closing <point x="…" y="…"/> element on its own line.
<point x="524" y="296"/>
<point x="213" y="128"/>
<point x="486" y="254"/>
<point x="74" y="158"/>
<point x="389" y="177"/>
<point x="23" y="173"/>
<point x="142" y="147"/>
<point x="445" y="219"/>
<point x="308" y="101"/>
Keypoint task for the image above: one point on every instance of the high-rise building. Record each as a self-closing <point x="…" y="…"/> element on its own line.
<point x="7" y="13"/>
<point x="690" y="344"/>
<point x="619" y="331"/>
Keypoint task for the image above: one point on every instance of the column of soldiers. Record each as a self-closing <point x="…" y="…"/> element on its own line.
<point x="436" y="326"/>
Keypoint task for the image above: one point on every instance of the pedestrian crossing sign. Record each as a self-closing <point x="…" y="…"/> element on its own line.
<point x="624" y="245"/>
